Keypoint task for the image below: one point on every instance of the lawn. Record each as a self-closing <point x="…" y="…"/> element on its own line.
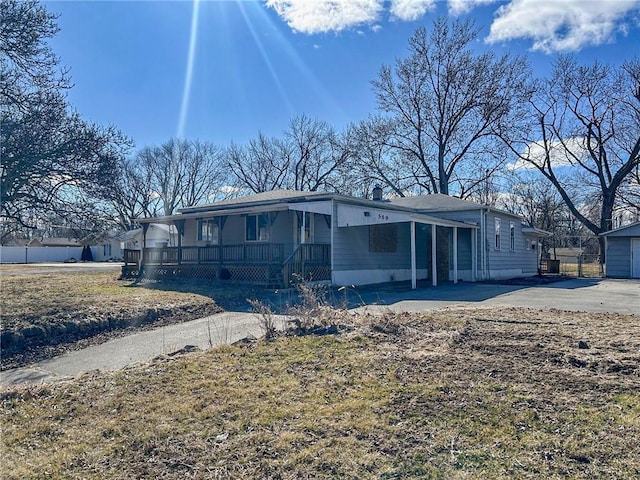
<point x="455" y="393"/>
<point x="45" y="311"/>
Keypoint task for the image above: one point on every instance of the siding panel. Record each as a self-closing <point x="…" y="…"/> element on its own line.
<point x="618" y="257"/>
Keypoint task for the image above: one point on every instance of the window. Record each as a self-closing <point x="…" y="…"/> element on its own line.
<point x="383" y="238"/>
<point x="497" y="230"/>
<point x="208" y="231"/>
<point x="512" y="235"/>
<point x="106" y="250"/>
<point x="257" y="228"/>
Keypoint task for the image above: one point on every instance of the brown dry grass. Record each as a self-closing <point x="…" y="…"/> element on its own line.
<point x="28" y="297"/>
<point x="43" y="312"/>
<point x="458" y="393"/>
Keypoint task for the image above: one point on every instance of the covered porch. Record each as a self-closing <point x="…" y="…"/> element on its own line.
<point x="266" y="248"/>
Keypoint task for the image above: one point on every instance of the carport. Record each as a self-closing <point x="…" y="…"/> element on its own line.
<point x="351" y="216"/>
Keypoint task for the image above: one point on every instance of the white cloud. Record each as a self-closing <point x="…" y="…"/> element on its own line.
<point x="410" y="10"/>
<point x="558" y="154"/>
<point x="320" y="16"/>
<point x="556" y="26"/>
<point x="552" y="25"/>
<point x="458" y="7"/>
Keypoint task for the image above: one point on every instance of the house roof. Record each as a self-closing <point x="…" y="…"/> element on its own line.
<point x="632" y="230"/>
<point x="263" y="198"/>
<point x="438" y="202"/>
<point x="280" y="199"/>
<point x="529" y="230"/>
<point x="128" y="235"/>
<point x="55" y="242"/>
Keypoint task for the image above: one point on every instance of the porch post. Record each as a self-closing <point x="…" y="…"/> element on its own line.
<point x="434" y="258"/>
<point x="413" y="256"/>
<point x="455" y="254"/>
<point x="179" y="224"/>
<point x="145" y="227"/>
<point x="474" y="255"/>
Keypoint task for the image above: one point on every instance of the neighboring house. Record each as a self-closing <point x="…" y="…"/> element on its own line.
<point x="622" y="247"/>
<point x="54" y="242"/>
<point x="109" y="249"/>
<point x="271" y="237"/>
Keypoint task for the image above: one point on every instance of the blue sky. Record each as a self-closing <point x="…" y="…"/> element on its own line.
<point x="257" y="64"/>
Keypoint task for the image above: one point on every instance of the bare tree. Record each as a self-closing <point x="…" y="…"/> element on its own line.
<point x="584" y="136"/>
<point x="309" y="157"/>
<point x="159" y="180"/>
<point x="446" y="102"/>
<point x="52" y="160"/>
<point x="373" y="161"/>
<point x="132" y="196"/>
<point x="315" y="153"/>
<point x="261" y="166"/>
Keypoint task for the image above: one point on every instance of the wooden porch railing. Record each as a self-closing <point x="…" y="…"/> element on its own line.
<point x="245" y="254"/>
<point x="260" y="262"/>
<point x="131" y="257"/>
<point x="309" y="261"/>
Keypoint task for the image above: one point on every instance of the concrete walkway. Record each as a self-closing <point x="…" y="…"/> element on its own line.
<point x="621" y="296"/>
<point x="222" y="328"/>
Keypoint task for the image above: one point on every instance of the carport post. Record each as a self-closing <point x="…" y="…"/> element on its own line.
<point x="413" y="256"/>
<point x="474" y="255"/>
<point x="455" y="254"/>
<point x="434" y="258"/>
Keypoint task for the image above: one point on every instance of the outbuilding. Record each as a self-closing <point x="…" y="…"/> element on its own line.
<point x="622" y="247"/>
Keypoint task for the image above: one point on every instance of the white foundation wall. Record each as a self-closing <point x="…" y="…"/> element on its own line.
<point x="367" y="277"/>
<point x="506" y="274"/>
<point x="463" y="275"/>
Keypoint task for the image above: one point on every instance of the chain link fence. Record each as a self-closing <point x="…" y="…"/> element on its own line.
<point x="572" y="256"/>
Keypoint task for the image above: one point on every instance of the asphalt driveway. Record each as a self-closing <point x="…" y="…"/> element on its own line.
<point x="618" y="296"/>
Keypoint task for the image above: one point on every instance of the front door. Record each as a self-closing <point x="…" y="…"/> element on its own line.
<point x="304" y="227"/>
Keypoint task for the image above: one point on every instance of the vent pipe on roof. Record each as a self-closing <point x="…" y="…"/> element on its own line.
<point x="377" y="193"/>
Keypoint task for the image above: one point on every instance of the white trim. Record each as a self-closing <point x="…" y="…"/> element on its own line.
<point x="356" y="215"/>
<point x="323" y="208"/>
<point x="512" y="236"/>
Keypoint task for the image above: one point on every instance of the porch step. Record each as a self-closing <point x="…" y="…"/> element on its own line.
<point x="276" y="280"/>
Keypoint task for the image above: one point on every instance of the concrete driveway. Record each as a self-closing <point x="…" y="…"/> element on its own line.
<point x="579" y="295"/>
<point x="621" y="296"/>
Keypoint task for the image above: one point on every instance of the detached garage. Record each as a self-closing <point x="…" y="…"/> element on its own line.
<point x="623" y="251"/>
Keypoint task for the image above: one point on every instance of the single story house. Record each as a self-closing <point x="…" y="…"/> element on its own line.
<point x="622" y="247"/>
<point x="273" y="237"/>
